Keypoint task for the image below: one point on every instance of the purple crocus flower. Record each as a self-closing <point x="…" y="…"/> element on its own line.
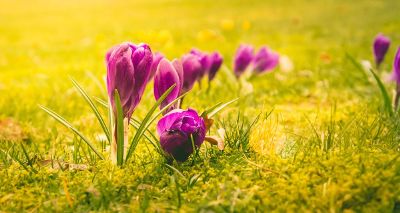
<point x="205" y="62"/>
<point x="128" y="70"/>
<point x="156" y="60"/>
<point x="168" y="74"/>
<point x="265" y="60"/>
<point x="381" y="46"/>
<point x="191" y="71"/>
<point x="216" y="62"/>
<point x="176" y="130"/>
<point x="243" y="57"/>
<point x="396" y="67"/>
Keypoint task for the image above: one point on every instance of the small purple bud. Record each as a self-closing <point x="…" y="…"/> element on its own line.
<point x="168" y="74"/>
<point x="243" y="57"/>
<point x="128" y="70"/>
<point x="265" y="60"/>
<point x="205" y="62"/>
<point x="216" y="62"/>
<point x="156" y="60"/>
<point x="176" y="130"/>
<point x="191" y="71"/>
<point x="381" y="46"/>
<point x="396" y="67"/>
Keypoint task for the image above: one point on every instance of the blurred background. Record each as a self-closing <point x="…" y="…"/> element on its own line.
<point x="43" y="42"/>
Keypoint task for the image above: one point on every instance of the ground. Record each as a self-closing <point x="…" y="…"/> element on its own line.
<point x="312" y="139"/>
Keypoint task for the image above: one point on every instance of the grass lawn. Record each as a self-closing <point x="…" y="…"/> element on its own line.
<point x="315" y="138"/>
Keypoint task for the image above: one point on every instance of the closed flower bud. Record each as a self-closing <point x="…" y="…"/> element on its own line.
<point x="204" y="60"/>
<point x="191" y="71"/>
<point x="381" y="46"/>
<point x="265" y="60"/>
<point x="168" y="74"/>
<point x="215" y="63"/>
<point x="396" y="67"/>
<point x="128" y="70"/>
<point x="243" y="57"/>
<point x="177" y="129"/>
<point x="156" y="60"/>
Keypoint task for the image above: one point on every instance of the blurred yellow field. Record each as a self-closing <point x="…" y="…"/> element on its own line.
<point x="315" y="127"/>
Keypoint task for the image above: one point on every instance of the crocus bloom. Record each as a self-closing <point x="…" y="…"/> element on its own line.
<point x="205" y="61"/>
<point x="191" y="71"/>
<point x="176" y="130"/>
<point x="156" y="60"/>
<point x="128" y="70"/>
<point x="168" y="74"/>
<point x="215" y="63"/>
<point x="243" y="57"/>
<point x="396" y="67"/>
<point x="381" y="46"/>
<point x="265" y="60"/>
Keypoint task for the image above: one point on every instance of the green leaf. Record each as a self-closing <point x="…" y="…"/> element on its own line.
<point x="94" y="108"/>
<point x="216" y="108"/>
<point x="140" y="131"/>
<point x="136" y="124"/>
<point x="153" y="141"/>
<point x="148" y="120"/>
<point x="73" y="129"/>
<point x="385" y="95"/>
<point x="119" y="129"/>
<point x="358" y="66"/>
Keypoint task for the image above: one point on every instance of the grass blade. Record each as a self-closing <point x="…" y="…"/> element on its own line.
<point x="158" y="114"/>
<point x="154" y="141"/>
<point x="385" y="95"/>
<point x="73" y="129"/>
<point x="148" y="120"/>
<point x="94" y="108"/>
<point x="358" y="66"/>
<point x="216" y="108"/>
<point x="119" y="129"/>
<point x="136" y="124"/>
<point x="139" y="132"/>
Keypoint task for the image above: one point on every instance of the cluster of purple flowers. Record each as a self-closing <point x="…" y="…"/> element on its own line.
<point x="263" y="61"/>
<point x="130" y="67"/>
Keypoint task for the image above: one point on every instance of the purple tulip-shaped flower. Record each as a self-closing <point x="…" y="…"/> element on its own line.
<point x="396" y="67"/>
<point x="265" y="60"/>
<point x="156" y="60"/>
<point x="243" y="57"/>
<point x="396" y="77"/>
<point x="168" y="74"/>
<point x="381" y="46"/>
<point x="192" y="69"/>
<point x="177" y="129"/>
<point x="204" y="60"/>
<point x="215" y="63"/>
<point x="128" y="70"/>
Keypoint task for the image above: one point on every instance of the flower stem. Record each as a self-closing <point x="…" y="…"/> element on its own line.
<point x="397" y="97"/>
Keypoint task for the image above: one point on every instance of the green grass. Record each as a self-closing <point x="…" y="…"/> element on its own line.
<point x="327" y="145"/>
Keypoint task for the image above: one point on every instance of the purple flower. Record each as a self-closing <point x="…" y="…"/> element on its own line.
<point x="168" y="74"/>
<point x="243" y="57"/>
<point x="265" y="60"/>
<point x="176" y="130"/>
<point x="205" y="62"/>
<point x="216" y="62"/>
<point x="396" y="67"/>
<point x="191" y="71"/>
<point x="381" y="46"/>
<point x="128" y="70"/>
<point x="156" y="60"/>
